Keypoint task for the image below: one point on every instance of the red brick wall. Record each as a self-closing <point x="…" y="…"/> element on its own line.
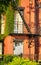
<point x="29" y="15"/>
<point x="8" y="45"/>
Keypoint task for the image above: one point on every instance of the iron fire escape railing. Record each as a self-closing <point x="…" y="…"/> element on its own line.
<point x="27" y="27"/>
<point x="36" y="36"/>
<point x="22" y="16"/>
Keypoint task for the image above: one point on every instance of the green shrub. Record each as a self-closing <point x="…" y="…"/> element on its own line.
<point x="1" y="62"/>
<point x="21" y="61"/>
<point x="8" y="58"/>
<point x="16" y="60"/>
<point x="2" y="36"/>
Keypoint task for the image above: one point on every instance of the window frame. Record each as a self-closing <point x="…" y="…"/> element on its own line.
<point x="16" y="31"/>
<point x="17" y="40"/>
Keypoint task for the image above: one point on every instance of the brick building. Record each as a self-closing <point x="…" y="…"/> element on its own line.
<point x="22" y="41"/>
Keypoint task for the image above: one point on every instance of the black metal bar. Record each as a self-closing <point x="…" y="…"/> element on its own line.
<point x="22" y="17"/>
<point x="20" y="34"/>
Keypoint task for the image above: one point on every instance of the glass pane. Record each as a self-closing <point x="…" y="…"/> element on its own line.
<point x="0" y="49"/>
<point x="18" y="23"/>
<point x="15" y="28"/>
<point x="2" y="28"/>
<point x="18" y="48"/>
<point x="2" y="24"/>
<point x="20" y="28"/>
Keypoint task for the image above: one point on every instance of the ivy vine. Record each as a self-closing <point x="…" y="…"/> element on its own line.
<point x="9" y="25"/>
<point x="5" y="8"/>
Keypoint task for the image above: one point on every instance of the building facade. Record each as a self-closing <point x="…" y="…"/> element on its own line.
<point x="20" y="42"/>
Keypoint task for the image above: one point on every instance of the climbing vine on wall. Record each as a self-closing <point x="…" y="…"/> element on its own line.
<point x="9" y="26"/>
<point x="13" y="4"/>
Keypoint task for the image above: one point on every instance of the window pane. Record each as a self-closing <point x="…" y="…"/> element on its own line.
<point x="15" y="28"/>
<point x="2" y="24"/>
<point x="18" y="48"/>
<point x="2" y="28"/>
<point x="18" y="23"/>
<point x="0" y="49"/>
<point x="20" y="28"/>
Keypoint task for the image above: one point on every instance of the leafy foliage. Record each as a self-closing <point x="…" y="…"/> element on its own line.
<point x="2" y="36"/>
<point x="5" y="3"/>
<point x="9" y="26"/>
<point x="21" y="61"/>
<point x="8" y="58"/>
<point x="13" y="3"/>
<point x="4" y="9"/>
<point x="16" y="60"/>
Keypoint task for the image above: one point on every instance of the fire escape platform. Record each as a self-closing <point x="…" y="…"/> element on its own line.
<point x="22" y="34"/>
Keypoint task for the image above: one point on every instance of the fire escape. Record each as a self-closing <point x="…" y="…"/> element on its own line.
<point x="31" y="35"/>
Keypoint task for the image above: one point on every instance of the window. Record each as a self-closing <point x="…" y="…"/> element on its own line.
<point x="18" y="47"/>
<point x="0" y="49"/>
<point x="2" y="24"/>
<point x="18" y="23"/>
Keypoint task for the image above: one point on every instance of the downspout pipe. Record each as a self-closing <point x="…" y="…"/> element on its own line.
<point x="36" y="31"/>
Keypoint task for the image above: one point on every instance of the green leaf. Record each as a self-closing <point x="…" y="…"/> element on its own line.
<point x="9" y="26"/>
